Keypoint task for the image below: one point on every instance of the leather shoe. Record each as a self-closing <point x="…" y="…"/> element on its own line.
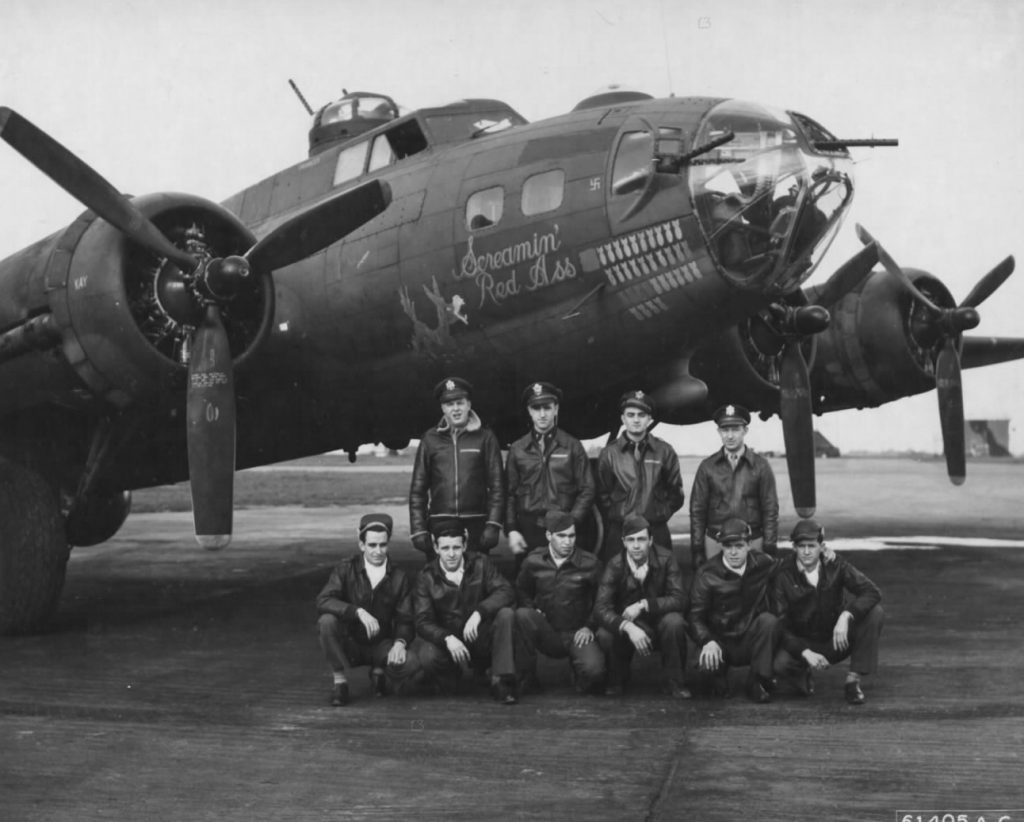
<point x="854" y="695"/>
<point x="339" y="694"/>
<point x="503" y="692"/>
<point x="720" y="684"/>
<point x="677" y="690"/>
<point x="529" y="684"/>
<point x="803" y="683"/>
<point x="378" y="682"/>
<point x="758" y="692"/>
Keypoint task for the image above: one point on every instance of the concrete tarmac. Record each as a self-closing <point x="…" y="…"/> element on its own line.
<point x="182" y="685"/>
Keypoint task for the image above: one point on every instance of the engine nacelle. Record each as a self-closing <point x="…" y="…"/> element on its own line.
<point x="120" y="312"/>
<point x="742" y="365"/>
<point x="880" y="345"/>
<point x="97" y="518"/>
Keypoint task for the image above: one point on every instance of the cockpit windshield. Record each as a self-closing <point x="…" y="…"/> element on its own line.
<point x="768" y="203"/>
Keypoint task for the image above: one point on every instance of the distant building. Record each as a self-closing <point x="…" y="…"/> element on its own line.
<point x="822" y="447"/>
<point x="987" y="438"/>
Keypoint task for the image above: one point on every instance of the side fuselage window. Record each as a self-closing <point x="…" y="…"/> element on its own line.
<point x="484" y="208"/>
<point x="543" y="192"/>
<point x="351" y="162"/>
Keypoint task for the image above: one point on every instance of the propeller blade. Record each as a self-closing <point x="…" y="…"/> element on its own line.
<point x="980" y="351"/>
<point x="320" y="226"/>
<point x="951" y="410"/>
<point x="848" y="276"/>
<point x="86" y="185"/>
<point x="985" y="287"/>
<point x="210" y="403"/>
<point x="890" y="265"/>
<point x="797" y="427"/>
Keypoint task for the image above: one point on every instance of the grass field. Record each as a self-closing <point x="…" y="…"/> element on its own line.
<point x="894" y="494"/>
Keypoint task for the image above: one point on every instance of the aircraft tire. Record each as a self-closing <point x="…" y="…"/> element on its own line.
<point x="33" y="550"/>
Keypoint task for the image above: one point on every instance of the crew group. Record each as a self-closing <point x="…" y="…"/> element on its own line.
<point x="781" y="615"/>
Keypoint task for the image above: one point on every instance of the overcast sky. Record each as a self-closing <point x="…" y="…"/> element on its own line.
<point x="194" y="96"/>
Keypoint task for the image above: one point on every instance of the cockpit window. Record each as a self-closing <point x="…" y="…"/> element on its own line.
<point x="768" y="203"/>
<point x="484" y="208"/>
<point x="632" y="162"/>
<point x="381" y="154"/>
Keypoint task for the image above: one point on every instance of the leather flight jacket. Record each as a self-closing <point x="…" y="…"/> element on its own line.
<point x="442" y="607"/>
<point x="565" y="594"/>
<point x="456" y="476"/>
<point x="724" y="604"/>
<point x="720" y="493"/>
<point x="651" y="486"/>
<point x="662" y="588"/>
<point x="348" y="589"/>
<point x="810" y="612"/>
<point x="547" y="473"/>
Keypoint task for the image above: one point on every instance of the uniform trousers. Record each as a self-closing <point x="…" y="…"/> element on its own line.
<point x="493" y="647"/>
<point x="755" y="648"/>
<point x="667" y="634"/>
<point x="535" y="634"/>
<point x="862" y="650"/>
<point x="346" y="646"/>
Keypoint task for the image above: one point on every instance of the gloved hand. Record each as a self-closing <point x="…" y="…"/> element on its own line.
<point x="489" y="538"/>
<point x="697" y="558"/>
<point x="423" y="542"/>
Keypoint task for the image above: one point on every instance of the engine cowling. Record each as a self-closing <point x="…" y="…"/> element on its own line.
<point x="125" y="315"/>
<point x="881" y="344"/>
<point x="743" y="365"/>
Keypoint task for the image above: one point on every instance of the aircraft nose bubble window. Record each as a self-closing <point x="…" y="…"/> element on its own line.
<point x="768" y="206"/>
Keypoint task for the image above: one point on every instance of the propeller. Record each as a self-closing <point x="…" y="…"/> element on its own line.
<point x="196" y="291"/>
<point x="797" y="426"/>
<point x="86" y="185"/>
<point x="793" y="324"/>
<point x="210" y="411"/>
<point x="947" y="325"/>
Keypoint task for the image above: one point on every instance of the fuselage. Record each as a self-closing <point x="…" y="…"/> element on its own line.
<point x="597" y="250"/>
<point x="553" y="250"/>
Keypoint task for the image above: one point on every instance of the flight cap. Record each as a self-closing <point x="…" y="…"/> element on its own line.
<point x="634" y="524"/>
<point x="733" y="530"/>
<point x="376" y="522"/>
<point x="807" y="529"/>
<point x="556" y="521"/>
<point x="447" y="528"/>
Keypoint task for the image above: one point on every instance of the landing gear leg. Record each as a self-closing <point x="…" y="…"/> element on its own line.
<point x="33" y="549"/>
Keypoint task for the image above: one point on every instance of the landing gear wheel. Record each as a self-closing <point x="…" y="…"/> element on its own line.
<point x="33" y="549"/>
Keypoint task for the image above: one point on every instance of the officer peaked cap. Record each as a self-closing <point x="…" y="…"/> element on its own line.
<point x="731" y="415"/>
<point x="453" y="388"/>
<point x="540" y="393"/>
<point x="637" y="399"/>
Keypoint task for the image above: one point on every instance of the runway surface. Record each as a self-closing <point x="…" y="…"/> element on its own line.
<point x="182" y="685"/>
